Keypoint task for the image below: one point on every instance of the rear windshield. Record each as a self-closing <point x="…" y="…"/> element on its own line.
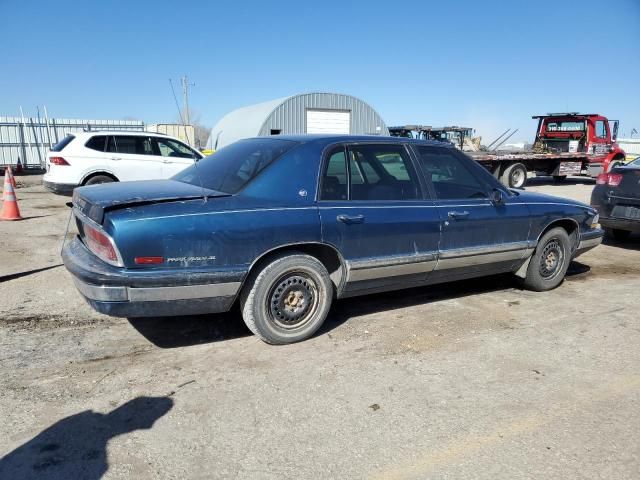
<point x="229" y="169"/>
<point x="58" y="147"/>
<point x="565" y="126"/>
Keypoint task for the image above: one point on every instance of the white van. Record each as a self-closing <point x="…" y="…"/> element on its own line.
<point x="87" y="158"/>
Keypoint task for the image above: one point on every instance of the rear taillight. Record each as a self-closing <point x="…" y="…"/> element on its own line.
<point x="101" y="245"/>
<point x="611" y="179"/>
<point x="58" y="161"/>
<point x="614" y="179"/>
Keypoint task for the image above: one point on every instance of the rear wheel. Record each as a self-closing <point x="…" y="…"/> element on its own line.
<point x="99" y="179"/>
<point x="549" y="262"/>
<point x="288" y="300"/>
<point x="617" y="234"/>
<point x="514" y="176"/>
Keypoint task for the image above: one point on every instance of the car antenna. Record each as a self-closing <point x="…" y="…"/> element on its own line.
<point x="186" y="135"/>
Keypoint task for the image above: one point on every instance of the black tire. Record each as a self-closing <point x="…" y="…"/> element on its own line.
<point x="617" y="234"/>
<point x="99" y="179"/>
<point x="266" y="299"/>
<point x="514" y="176"/>
<point x="549" y="262"/>
<point x="559" y="178"/>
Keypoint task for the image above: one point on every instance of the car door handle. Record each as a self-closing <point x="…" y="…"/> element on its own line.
<point x="455" y="214"/>
<point x="351" y="219"/>
<point x="116" y="158"/>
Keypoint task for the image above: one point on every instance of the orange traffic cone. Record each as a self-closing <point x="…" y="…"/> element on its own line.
<point x="8" y="171"/>
<point x="10" y="210"/>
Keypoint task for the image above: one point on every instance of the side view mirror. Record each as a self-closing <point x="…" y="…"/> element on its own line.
<point x="497" y="197"/>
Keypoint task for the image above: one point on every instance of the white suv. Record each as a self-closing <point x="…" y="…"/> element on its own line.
<point x="87" y="158"/>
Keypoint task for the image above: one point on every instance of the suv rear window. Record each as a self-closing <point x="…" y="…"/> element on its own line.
<point x="58" y="147"/>
<point x="96" y="143"/>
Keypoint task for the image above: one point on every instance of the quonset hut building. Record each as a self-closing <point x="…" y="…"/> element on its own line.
<point x="298" y="114"/>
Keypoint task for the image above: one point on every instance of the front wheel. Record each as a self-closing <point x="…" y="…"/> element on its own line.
<point x="288" y="300"/>
<point x="514" y="176"/>
<point x="549" y="262"/>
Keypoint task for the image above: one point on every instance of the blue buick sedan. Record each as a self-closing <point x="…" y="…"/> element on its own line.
<point x="283" y="225"/>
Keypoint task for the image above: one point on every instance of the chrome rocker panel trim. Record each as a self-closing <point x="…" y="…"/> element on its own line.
<point x="466" y="257"/>
<point x="373" y="268"/>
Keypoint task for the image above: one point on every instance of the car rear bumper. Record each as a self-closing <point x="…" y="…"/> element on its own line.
<point x="632" y="225"/>
<point x="59" y="188"/>
<point x="120" y="293"/>
<point x="589" y="240"/>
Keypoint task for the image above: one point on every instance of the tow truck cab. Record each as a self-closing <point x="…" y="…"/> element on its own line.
<point x="573" y="132"/>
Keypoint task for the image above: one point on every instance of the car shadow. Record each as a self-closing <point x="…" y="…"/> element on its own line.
<point x="76" y="446"/>
<point x="175" y="332"/>
<point x="630" y="243"/>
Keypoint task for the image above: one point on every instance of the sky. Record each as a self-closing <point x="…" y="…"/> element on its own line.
<point x="489" y="65"/>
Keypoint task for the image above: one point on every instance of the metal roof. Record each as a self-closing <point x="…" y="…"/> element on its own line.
<point x="287" y="115"/>
<point x="242" y="123"/>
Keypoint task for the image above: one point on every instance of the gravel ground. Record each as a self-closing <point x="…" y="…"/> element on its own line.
<point x="475" y="379"/>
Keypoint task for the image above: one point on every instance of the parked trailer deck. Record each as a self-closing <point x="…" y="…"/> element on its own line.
<point x="511" y="168"/>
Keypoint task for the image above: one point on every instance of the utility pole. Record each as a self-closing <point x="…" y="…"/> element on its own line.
<point x="185" y="97"/>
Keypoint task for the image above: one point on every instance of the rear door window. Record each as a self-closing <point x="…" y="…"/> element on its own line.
<point x="335" y="179"/>
<point x="451" y="179"/>
<point x="382" y="172"/>
<point x="131" y="145"/>
<point x="58" y="147"/>
<point x="97" y="143"/>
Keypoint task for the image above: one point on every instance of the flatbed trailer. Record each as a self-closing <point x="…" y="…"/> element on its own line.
<point x="566" y="144"/>
<point x="512" y="168"/>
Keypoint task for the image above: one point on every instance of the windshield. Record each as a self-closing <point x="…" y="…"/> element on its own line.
<point x="232" y="167"/>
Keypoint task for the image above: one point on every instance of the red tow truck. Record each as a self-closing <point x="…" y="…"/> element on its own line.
<point x="566" y="144"/>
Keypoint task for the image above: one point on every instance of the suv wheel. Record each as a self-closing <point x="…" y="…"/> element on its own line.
<point x="99" y="179"/>
<point x="288" y="300"/>
<point x="549" y="262"/>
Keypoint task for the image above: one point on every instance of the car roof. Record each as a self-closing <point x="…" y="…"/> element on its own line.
<point x="335" y="138"/>
<point x="119" y="132"/>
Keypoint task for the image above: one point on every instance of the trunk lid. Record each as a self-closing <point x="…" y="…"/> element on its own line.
<point x="624" y="199"/>
<point x="93" y="201"/>
<point x="630" y="185"/>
